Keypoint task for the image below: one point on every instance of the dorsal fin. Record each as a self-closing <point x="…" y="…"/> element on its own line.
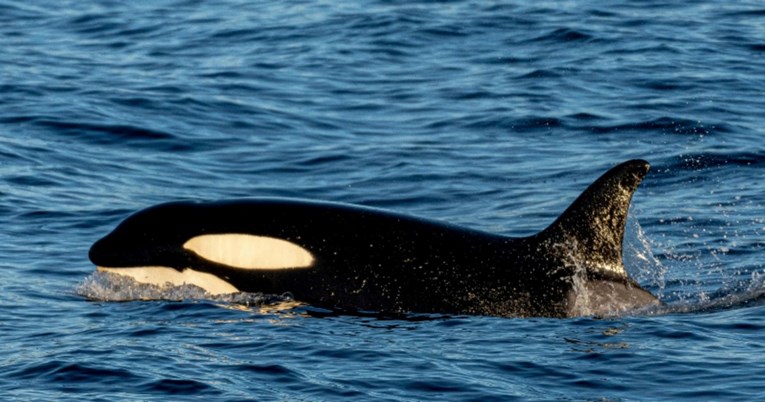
<point x="591" y="230"/>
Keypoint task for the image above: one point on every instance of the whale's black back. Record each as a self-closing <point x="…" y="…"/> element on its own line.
<point x="370" y="259"/>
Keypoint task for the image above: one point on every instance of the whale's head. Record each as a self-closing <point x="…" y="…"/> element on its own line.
<point x="183" y="243"/>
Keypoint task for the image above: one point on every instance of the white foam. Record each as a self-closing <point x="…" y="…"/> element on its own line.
<point x="164" y="276"/>
<point x="108" y="286"/>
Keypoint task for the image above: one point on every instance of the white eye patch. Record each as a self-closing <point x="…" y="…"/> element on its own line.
<point x="250" y="252"/>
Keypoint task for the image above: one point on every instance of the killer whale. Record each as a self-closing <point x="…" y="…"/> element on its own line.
<point x="359" y="258"/>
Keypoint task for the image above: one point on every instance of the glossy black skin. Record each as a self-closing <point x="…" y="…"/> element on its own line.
<point x="370" y="259"/>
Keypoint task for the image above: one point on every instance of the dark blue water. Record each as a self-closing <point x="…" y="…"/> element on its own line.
<point x="492" y="116"/>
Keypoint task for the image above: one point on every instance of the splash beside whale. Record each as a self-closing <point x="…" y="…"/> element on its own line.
<point x="349" y="257"/>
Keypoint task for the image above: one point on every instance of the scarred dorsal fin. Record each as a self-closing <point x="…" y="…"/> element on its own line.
<point x="590" y="232"/>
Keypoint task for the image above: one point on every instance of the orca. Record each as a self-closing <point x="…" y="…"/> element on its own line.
<point x="355" y="258"/>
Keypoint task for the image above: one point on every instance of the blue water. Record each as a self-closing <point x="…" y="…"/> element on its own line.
<point x="489" y="115"/>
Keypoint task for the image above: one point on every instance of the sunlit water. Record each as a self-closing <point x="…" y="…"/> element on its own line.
<point x="491" y="116"/>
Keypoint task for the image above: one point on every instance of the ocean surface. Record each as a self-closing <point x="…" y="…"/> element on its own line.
<point x="491" y="115"/>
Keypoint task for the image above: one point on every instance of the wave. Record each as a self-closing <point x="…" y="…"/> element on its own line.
<point x="84" y="376"/>
<point x="665" y="125"/>
<point x="565" y="35"/>
<point x="706" y="160"/>
<point x="122" y="135"/>
<point x="705" y="304"/>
